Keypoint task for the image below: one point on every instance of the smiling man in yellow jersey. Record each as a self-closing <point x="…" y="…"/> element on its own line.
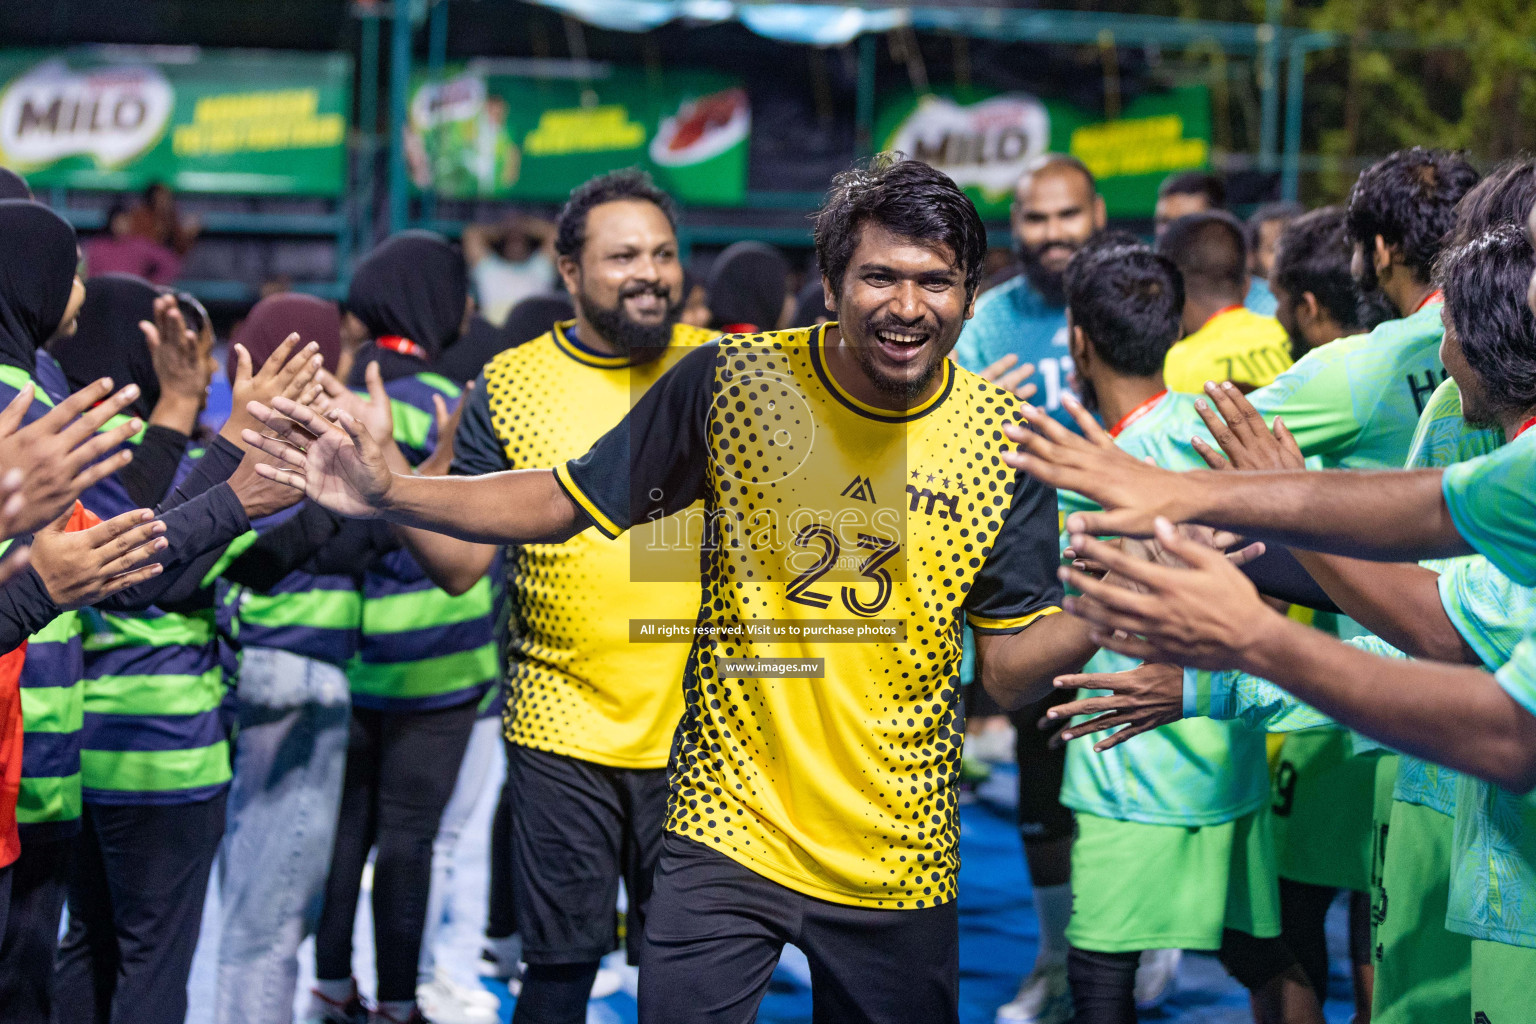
<point x="590" y="716"/>
<point x="860" y="508"/>
<point x="1223" y="341"/>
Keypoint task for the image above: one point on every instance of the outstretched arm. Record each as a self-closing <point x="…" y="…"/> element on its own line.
<point x="1390" y="516"/>
<point x="343" y="468"/>
<point x="1017" y="668"/>
<point x="1209" y="616"/>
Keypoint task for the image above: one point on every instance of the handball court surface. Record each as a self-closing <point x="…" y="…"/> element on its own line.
<point x="997" y="937"/>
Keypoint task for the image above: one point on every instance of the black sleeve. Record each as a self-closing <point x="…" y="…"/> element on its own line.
<point x="655" y="461"/>
<point x="476" y="448"/>
<point x="356" y="546"/>
<point x="284" y="548"/>
<point x="218" y="464"/>
<point x="1017" y="583"/>
<point x="153" y="469"/>
<point x="1277" y="574"/>
<point x="25" y="608"/>
<point x="197" y="530"/>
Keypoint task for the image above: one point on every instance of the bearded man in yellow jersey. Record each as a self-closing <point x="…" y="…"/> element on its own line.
<point x="1222" y="340"/>
<point x="590" y="715"/>
<point x="858" y="511"/>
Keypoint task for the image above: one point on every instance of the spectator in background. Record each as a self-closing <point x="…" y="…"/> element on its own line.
<point x="13" y="185"/>
<point x="536" y="315"/>
<point x="1264" y="227"/>
<point x="749" y="289"/>
<point x="1223" y="341"/>
<point x="1201" y="192"/>
<point x="1185" y="193"/>
<point x="509" y="262"/>
<point x="156" y="218"/>
<point x="695" y="301"/>
<point x="125" y="250"/>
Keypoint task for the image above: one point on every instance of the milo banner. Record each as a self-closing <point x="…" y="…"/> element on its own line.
<point x="983" y="141"/>
<point x="477" y="133"/>
<point x="198" y="120"/>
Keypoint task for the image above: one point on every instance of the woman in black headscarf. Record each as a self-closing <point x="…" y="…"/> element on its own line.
<point x="747" y="288"/>
<point x="13" y="185"/>
<point x="411" y="294"/>
<point x="425" y="661"/>
<point x="40" y="295"/>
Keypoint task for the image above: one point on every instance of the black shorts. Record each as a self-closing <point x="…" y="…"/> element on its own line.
<point x="1041" y="814"/>
<point x="716" y="928"/>
<point x="578" y="828"/>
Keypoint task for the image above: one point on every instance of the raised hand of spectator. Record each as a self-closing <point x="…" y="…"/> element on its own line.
<point x="182" y="363"/>
<point x="81" y="567"/>
<point x="285" y="374"/>
<point x="441" y="458"/>
<point x="62" y="453"/>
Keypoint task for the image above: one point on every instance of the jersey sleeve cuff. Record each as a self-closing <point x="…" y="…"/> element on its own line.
<point x="1518" y="676"/>
<point x="606" y="526"/>
<point x="1209" y="694"/>
<point x="985" y="625"/>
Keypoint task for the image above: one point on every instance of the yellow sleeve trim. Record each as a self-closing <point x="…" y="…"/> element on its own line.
<point x="1008" y="625"/>
<point x="604" y="524"/>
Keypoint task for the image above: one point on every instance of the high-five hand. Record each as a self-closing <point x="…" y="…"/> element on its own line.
<point x="1132" y="492"/>
<point x="285" y="373"/>
<point x="342" y="467"/>
<point x="1140" y="699"/>
<point x="1241" y="432"/>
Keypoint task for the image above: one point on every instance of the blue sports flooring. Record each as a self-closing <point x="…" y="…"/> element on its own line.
<point x="997" y="938"/>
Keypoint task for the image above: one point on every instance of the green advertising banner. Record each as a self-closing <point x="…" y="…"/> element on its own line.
<point x="478" y="133"/>
<point x="119" y="118"/>
<point x="983" y="140"/>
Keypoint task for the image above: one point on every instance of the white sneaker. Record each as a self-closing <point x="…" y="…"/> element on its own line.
<point x="607" y="982"/>
<point x="1043" y="998"/>
<point x="444" y="1002"/>
<point x="1157" y="977"/>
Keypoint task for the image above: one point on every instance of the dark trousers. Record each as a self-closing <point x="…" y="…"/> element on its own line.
<point x="5" y="895"/>
<point x="39" y="881"/>
<point x="401" y="769"/>
<point x="136" y="894"/>
<point x="715" y="931"/>
<point x="501" y="916"/>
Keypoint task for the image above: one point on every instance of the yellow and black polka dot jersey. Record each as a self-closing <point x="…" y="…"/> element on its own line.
<point x="829" y="524"/>
<point x="578" y="687"/>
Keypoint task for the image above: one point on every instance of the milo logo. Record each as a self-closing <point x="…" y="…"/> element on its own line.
<point x="985" y="144"/>
<point x="112" y="114"/>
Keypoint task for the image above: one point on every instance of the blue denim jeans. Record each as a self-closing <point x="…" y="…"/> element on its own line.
<point x="289" y="758"/>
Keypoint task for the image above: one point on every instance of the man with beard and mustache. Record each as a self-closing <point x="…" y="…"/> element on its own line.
<point x="1222" y="339"/>
<point x="1056" y="208"/>
<point x="1317" y="299"/>
<point x="590" y="717"/>
<point x="859" y="511"/>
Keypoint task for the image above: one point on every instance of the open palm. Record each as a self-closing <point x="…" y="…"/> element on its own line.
<point x="341" y="466"/>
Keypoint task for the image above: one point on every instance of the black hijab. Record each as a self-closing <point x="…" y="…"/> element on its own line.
<point x="465" y="358"/>
<point x="412" y="286"/>
<point x="109" y="343"/>
<point x="13" y="185"/>
<point x="747" y="285"/>
<point x="38" y="255"/>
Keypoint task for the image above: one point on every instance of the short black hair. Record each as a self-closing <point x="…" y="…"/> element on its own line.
<point x="908" y="198"/>
<point x="1196" y="183"/>
<point x="1211" y="251"/>
<point x="1060" y="161"/>
<point x="629" y="183"/>
<point x="1129" y="301"/>
<point x="1505" y="196"/>
<point x="1409" y="198"/>
<point x="1313" y="255"/>
<point x="1485" y="284"/>
<point x="1284" y="211"/>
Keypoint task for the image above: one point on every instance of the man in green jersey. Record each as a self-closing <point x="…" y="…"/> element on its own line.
<point x="1173" y="847"/>
<point x="1484" y="504"/>
<point x="820" y="811"/>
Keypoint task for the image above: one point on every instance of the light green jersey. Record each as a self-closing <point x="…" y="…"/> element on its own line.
<point x="1196" y="772"/>
<point x="1492" y="501"/>
<point x="1355" y="402"/>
